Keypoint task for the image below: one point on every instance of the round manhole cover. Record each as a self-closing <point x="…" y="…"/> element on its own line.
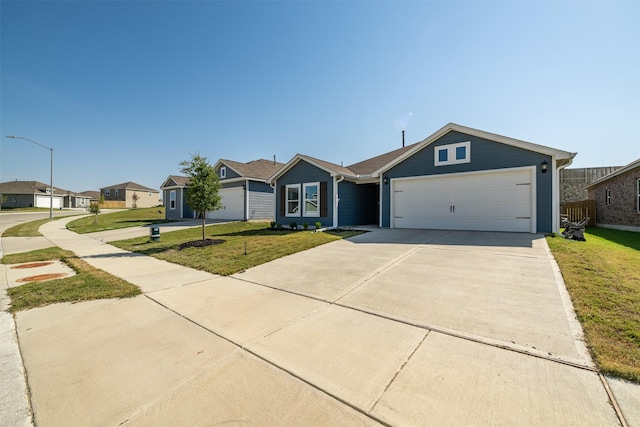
<point x="32" y="265"/>
<point x="41" y="277"/>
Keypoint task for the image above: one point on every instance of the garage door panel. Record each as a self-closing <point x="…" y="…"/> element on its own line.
<point x="489" y="201"/>
<point x="232" y="200"/>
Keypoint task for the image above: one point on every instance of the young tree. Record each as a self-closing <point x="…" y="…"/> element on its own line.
<point x="94" y="208"/>
<point x="202" y="191"/>
<point x="135" y="199"/>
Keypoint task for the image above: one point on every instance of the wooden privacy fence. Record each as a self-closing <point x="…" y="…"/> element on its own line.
<point x="577" y="211"/>
<point x="113" y="204"/>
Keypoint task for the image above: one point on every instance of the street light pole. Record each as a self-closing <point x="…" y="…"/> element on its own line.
<point x="51" y="170"/>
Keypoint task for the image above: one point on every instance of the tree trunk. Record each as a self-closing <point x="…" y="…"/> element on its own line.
<point x="204" y="221"/>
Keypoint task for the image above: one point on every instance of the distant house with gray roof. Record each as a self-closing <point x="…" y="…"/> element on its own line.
<point x="29" y="194"/>
<point x="130" y="195"/>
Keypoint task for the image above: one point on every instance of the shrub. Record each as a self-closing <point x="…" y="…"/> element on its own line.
<point x="305" y="225"/>
<point x="318" y="225"/>
<point x="273" y="225"/>
<point x="293" y="225"/>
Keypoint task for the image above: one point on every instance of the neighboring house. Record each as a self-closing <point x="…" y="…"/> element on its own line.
<point x="94" y="196"/>
<point x="244" y="193"/>
<point x="28" y="194"/>
<point x="124" y="195"/>
<point x="617" y="197"/>
<point x="574" y="182"/>
<point x="459" y="178"/>
<point x="76" y="200"/>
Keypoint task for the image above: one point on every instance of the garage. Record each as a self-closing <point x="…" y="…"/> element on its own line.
<point x="45" y="202"/>
<point x="232" y="200"/>
<point x="495" y="200"/>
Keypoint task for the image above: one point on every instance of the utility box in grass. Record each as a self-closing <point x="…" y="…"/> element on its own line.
<point x="154" y="233"/>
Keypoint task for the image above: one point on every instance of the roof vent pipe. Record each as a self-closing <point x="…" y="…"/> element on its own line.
<point x="402" y="139"/>
<point x="274" y="159"/>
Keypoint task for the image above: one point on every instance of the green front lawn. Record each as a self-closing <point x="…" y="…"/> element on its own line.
<point x="89" y="283"/>
<point x="261" y="244"/>
<point x="26" y="229"/>
<point x="116" y="220"/>
<point x="602" y="276"/>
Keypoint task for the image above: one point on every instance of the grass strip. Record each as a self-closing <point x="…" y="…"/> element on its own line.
<point x="26" y="229"/>
<point x="89" y="283"/>
<point x="602" y="276"/>
<point x="245" y="245"/>
<point x="116" y="220"/>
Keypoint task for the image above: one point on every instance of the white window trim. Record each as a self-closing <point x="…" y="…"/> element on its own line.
<point x="172" y="199"/>
<point x="115" y="192"/>
<point x="223" y="172"/>
<point x="107" y="192"/>
<point x="304" y="201"/>
<point x="286" y="201"/>
<point x="638" y="195"/>
<point x="451" y="154"/>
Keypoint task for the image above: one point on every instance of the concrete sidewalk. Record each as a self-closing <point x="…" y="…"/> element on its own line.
<point x="383" y="328"/>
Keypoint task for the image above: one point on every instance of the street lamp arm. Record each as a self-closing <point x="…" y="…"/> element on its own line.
<point x="30" y="140"/>
<point x="51" y="173"/>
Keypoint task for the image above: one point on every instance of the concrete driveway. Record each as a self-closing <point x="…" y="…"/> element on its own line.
<point x="398" y="327"/>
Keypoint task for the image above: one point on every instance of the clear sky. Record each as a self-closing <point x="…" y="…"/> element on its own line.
<point x="123" y="91"/>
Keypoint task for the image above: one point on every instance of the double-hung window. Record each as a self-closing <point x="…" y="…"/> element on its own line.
<point x="607" y="197"/>
<point x="172" y="199"/>
<point x="293" y="200"/>
<point x="311" y="199"/>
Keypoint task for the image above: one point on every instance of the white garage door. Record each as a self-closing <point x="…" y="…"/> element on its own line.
<point x="499" y="200"/>
<point x="44" y="202"/>
<point x="232" y="200"/>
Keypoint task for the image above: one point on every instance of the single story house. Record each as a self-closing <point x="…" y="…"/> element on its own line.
<point x="130" y="195"/>
<point x="28" y="194"/>
<point x="459" y="178"/>
<point x="617" y="197"/>
<point x="245" y="195"/>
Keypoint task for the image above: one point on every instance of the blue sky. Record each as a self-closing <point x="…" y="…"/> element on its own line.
<point x="123" y="91"/>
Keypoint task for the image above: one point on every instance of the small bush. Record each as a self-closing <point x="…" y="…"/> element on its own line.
<point x="305" y="225"/>
<point x="273" y="225"/>
<point x="318" y="225"/>
<point x="293" y="225"/>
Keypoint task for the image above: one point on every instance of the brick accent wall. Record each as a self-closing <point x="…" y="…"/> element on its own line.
<point x="623" y="208"/>
<point x="573" y="182"/>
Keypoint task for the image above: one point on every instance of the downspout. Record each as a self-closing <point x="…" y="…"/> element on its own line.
<point x="246" y="199"/>
<point x="336" y="200"/>
<point x="275" y="200"/>
<point x="555" y="192"/>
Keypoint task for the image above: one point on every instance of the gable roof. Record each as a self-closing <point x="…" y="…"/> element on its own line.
<point x="258" y="169"/>
<point x="328" y="167"/>
<point x="175" y="181"/>
<point x="129" y="186"/>
<point x="29" y="187"/>
<point x="633" y="165"/>
<point x="562" y="157"/>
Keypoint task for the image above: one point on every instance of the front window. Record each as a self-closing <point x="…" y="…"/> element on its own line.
<point x="311" y="199"/>
<point x="453" y="154"/>
<point x="115" y="193"/>
<point x="293" y="200"/>
<point x="223" y="172"/>
<point x="107" y="192"/>
<point x="607" y="197"/>
<point x="172" y="199"/>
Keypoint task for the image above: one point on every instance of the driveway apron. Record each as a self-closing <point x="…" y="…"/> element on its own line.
<point x="399" y="327"/>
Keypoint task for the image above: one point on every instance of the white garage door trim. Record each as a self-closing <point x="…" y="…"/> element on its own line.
<point x="492" y="200"/>
<point x="232" y="200"/>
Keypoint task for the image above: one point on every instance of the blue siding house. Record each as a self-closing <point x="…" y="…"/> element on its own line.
<point x="245" y="194"/>
<point x="459" y="178"/>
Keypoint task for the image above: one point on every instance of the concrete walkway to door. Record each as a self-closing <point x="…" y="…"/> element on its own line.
<point x="399" y="327"/>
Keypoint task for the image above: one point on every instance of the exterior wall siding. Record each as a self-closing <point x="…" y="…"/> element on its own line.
<point x="485" y="155"/>
<point x="358" y="204"/>
<point x="262" y="202"/>
<point x="146" y="199"/>
<point x="623" y="209"/>
<point x="19" y="201"/>
<point x="230" y="173"/>
<point x="301" y="173"/>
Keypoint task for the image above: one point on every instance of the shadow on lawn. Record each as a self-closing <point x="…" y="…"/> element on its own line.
<point x="630" y="239"/>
